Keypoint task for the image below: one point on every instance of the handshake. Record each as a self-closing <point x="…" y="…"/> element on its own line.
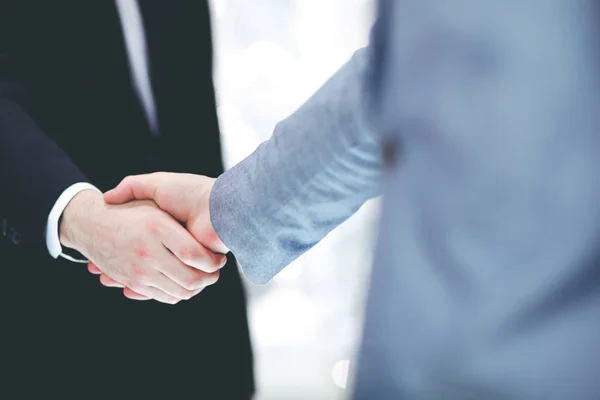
<point x="151" y="236"/>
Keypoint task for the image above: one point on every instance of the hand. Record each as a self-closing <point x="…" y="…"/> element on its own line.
<point x="185" y="196"/>
<point x="140" y="247"/>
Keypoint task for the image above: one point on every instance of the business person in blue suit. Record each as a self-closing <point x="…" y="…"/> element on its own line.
<point x="478" y="122"/>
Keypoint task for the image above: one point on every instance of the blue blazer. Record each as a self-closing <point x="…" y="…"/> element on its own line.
<point x="478" y="122"/>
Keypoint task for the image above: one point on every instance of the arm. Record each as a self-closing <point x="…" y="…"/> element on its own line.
<point x="37" y="177"/>
<point x="320" y="166"/>
<point x="138" y="245"/>
<point x="30" y="187"/>
<point x="34" y="171"/>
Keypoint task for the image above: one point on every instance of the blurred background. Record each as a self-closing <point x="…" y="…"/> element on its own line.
<point x="270" y="56"/>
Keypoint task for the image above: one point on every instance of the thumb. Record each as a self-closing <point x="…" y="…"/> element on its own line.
<point x="139" y="187"/>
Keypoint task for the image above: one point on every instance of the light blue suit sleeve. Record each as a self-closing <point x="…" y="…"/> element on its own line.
<point x="321" y="164"/>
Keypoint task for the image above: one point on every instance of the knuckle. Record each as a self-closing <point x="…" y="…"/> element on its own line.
<point x="191" y="254"/>
<point x="185" y="294"/>
<point x="191" y="282"/>
<point x="174" y="291"/>
<point x="173" y="301"/>
<point x="210" y="264"/>
<point x="158" y="175"/>
<point x="135" y="287"/>
<point x="141" y="251"/>
<point x="154" y="226"/>
<point x="127" y="180"/>
<point x="213" y="278"/>
<point x="213" y="266"/>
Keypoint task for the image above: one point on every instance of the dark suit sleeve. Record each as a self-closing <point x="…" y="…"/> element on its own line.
<point x="33" y="169"/>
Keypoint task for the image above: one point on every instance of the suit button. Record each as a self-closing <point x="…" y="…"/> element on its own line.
<point x="10" y="233"/>
<point x="15" y="237"/>
<point x="390" y="151"/>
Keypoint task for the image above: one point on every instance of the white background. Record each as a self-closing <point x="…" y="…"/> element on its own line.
<point x="270" y="56"/>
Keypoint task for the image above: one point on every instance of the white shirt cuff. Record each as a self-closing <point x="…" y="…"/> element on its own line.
<point x="52" y="236"/>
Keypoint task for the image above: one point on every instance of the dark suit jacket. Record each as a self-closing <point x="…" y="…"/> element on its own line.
<point x="68" y="113"/>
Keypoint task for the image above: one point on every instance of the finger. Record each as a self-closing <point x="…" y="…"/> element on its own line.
<point x="188" y="277"/>
<point x="187" y="249"/>
<point x="168" y="286"/>
<point x="152" y="293"/>
<point x="93" y="269"/>
<point x="108" y="282"/>
<point x="185" y="276"/>
<point x="138" y="187"/>
<point x="130" y="294"/>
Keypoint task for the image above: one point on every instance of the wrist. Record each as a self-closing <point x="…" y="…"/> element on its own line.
<point x="199" y="222"/>
<point x="77" y="219"/>
<point x="217" y="243"/>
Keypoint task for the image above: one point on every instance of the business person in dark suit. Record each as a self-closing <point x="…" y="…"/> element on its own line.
<point x="91" y="92"/>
